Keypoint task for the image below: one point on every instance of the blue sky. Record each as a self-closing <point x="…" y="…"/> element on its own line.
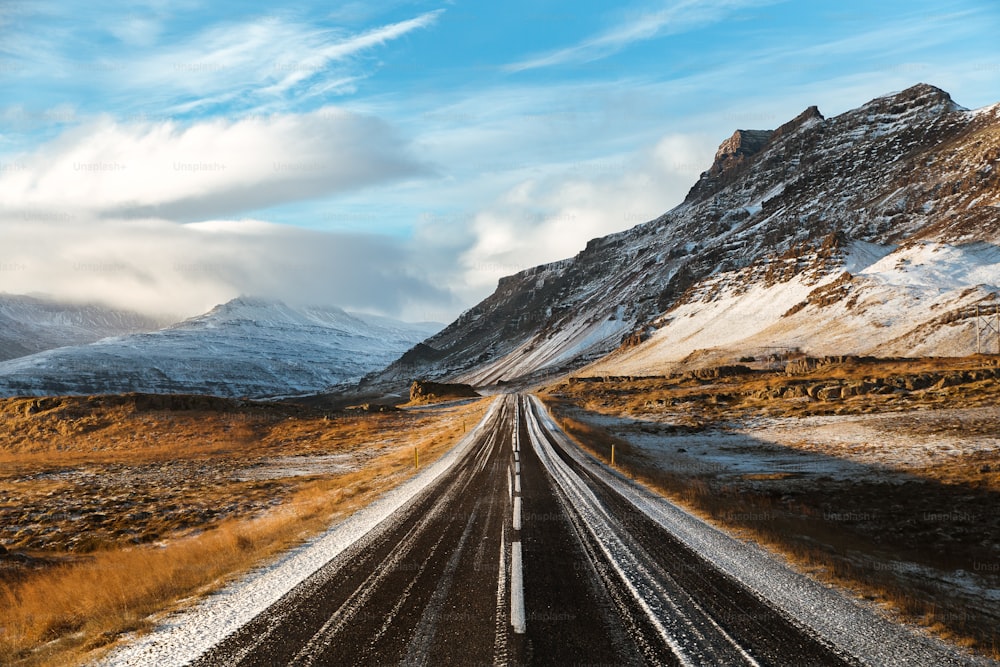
<point x="400" y="156"/>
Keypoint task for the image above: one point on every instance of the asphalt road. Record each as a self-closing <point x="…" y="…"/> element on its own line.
<point x="518" y="555"/>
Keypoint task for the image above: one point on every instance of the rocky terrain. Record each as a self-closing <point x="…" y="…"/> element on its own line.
<point x="422" y="391"/>
<point x="873" y="232"/>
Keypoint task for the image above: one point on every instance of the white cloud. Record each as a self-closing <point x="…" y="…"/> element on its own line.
<point x="550" y="218"/>
<point x="207" y="169"/>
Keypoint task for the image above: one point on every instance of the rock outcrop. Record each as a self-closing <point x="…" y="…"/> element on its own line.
<point x="422" y="391"/>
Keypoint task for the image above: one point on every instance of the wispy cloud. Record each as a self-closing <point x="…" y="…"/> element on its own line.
<point x="674" y="18"/>
<point x="256" y="61"/>
<point x="107" y="60"/>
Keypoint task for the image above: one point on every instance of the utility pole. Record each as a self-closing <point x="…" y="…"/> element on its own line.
<point x="988" y="325"/>
<point x="979" y="332"/>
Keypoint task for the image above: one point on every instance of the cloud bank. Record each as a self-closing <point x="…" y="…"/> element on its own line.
<point x="163" y="268"/>
<point x="206" y="169"/>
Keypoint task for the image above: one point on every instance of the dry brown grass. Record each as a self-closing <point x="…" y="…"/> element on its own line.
<point x="700" y="400"/>
<point x="75" y="603"/>
<point x="689" y="403"/>
<point x="896" y="522"/>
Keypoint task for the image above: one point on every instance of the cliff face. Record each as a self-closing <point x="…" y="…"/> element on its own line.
<point x="904" y="168"/>
<point x="738" y="149"/>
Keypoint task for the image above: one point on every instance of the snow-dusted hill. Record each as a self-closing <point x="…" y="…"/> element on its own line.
<point x="902" y="194"/>
<point x="246" y="347"/>
<point x="916" y="300"/>
<point x="31" y="324"/>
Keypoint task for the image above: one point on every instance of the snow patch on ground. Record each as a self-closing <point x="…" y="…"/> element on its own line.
<point x="893" y="306"/>
<point x="861" y="255"/>
<point x="299" y="466"/>
<point x="727" y="320"/>
<point x="940" y="266"/>
<point x="842" y="447"/>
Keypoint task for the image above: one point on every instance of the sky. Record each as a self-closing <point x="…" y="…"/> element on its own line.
<point x="399" y="156"/>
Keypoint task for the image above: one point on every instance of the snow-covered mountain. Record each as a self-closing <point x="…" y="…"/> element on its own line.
<point x="30" y="324"/>
<point x="246" y="347"/>
<point x="875" y="231"/>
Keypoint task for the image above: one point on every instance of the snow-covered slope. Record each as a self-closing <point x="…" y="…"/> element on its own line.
<point x="912" y="301"/>
<point x="246" y="347"/>
<point x="779" y="215"/>
<point x="31" y="324"/>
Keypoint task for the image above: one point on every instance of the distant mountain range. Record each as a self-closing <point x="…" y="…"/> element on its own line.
<point x="873" y="232"/>
<point x="246" y="347"/>
<point x="31" y="324"/>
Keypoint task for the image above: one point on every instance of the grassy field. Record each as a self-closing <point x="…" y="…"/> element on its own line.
<point x="889" y="488"/>
<point x="118" y="508"/>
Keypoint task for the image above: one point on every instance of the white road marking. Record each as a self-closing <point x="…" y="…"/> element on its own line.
<point x="517" y="424"/>
<point x="517" y="484"/>
<point x="517" y="618"/>
<point x="517" y="513"/>
<point x="500" y="640"/>
<point x="515" y="456"/>
<point x="517" y="467"/>
<point x="510" y="487"/>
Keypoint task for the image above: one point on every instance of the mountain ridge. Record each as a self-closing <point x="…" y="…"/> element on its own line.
<point x="247" y="347"/>
<point x="31" y="324"/>
<point x="908" y="167"/>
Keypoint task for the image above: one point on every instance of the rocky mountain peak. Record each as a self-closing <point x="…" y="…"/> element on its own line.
<point x="730" y="159"/>
<point x="804" y="119"/>
<point x="919" y="99"/>
<point x="736" y="149"/>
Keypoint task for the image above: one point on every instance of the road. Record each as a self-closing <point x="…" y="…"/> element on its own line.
<point x="520" y="554"/>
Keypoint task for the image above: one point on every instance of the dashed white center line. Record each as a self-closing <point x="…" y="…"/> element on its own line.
<point x="517" y="618"/>
<point x="500" y="640"/>
<point x="516" y="456"/>
<point x="517" y="483"/>
<point x="517" y="467"/>
<point x="517" y="513"/>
